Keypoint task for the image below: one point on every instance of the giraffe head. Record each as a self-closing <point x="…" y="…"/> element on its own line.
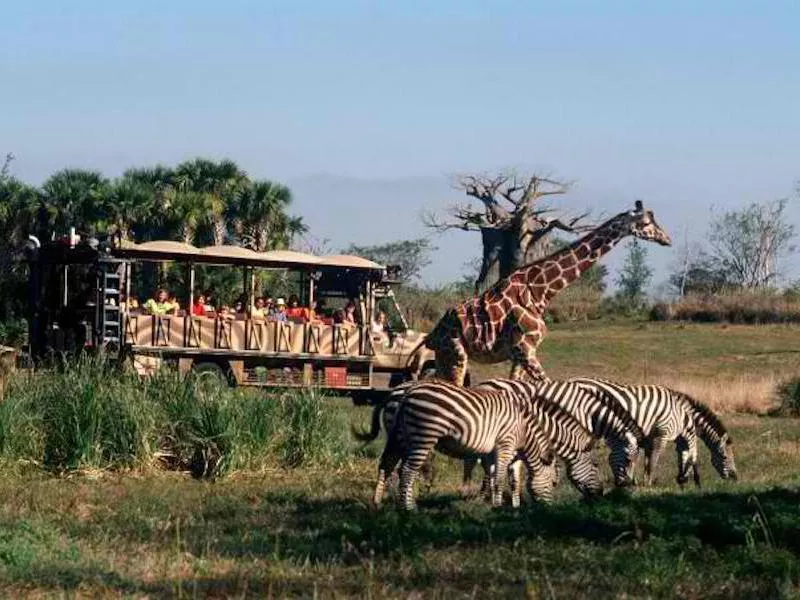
<point x="642" y="224"/>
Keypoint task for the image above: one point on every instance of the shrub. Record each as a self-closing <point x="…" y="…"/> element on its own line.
<point x="742" y="307"/>
<point x="789" y="398"/>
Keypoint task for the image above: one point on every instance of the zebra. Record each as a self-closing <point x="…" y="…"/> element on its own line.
<point x="566" y="436"/>
<point x="594" y="411"/>
<point x="667" y="415"/>
<point x="570" y="440"/>
<point x="714" y="435"/>
<point x="462" y="422"/>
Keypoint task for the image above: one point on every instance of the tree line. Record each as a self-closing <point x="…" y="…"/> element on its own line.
<point x="198" y="201"/>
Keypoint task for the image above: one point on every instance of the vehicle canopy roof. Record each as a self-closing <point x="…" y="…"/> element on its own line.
<point x="165" y="250"/>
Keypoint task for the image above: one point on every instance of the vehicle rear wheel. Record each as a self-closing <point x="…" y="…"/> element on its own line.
<point x="210" y="372"/>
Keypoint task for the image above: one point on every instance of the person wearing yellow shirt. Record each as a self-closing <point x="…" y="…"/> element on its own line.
<point x="159" y="304"/>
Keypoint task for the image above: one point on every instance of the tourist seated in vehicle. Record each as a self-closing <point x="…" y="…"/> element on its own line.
<point x="259" y="310"/>
<point x="238" y="307"/>
<point x="159" y="304"/>
<point x="379" y="329"/>
<point x="295" y="312"/>
<point x="350" y="313"/>
<point x="225" y="313"/>
<point x="199" y="306"/>
<point x="279" y="314"/>
<point x="174" y="305"/>
<point x="338" y="317"/>
<point x="210" y="301"/>
<point x="318" y="313"/>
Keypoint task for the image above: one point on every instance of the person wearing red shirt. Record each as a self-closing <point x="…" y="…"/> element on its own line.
<point x="199" y="306"/>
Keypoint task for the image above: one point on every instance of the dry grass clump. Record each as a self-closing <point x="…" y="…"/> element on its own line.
<point x="749" y="394"/>
<point x="745" y="308"/>
<point x="577" y="303"/>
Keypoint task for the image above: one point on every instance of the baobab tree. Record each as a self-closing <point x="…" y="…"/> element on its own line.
<point x="513" y="224"/>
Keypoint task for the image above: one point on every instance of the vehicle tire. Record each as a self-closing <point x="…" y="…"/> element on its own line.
<point x="210" y="372"/>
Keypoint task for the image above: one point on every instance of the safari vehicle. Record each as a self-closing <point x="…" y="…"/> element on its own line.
<point x="79" y="291"/>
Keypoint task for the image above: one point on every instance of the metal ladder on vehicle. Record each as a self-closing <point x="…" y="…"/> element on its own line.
<point x="108" y="329"/>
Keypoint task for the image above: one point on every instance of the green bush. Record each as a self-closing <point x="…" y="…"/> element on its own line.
<point x="788" y="399"/>
<point x="90" y="415"/>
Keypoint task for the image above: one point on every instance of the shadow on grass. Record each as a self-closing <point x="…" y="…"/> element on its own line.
<point x="343" y="529"/>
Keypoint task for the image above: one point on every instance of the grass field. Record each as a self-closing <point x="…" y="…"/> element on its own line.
<point x="311" y="532"/>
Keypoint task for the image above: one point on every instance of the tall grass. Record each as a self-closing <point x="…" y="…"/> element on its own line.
<point x="91" y="415"/>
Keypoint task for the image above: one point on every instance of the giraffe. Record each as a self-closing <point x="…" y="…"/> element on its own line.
<point x="507" y="320"/>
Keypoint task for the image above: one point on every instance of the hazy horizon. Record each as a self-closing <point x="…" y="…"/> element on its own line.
<point x="364" y="110"/>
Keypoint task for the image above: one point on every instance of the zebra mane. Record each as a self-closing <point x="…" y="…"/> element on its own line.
<point x="704" y="416"/>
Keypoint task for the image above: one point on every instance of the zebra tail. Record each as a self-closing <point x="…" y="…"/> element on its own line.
<point x="375" y="428"/>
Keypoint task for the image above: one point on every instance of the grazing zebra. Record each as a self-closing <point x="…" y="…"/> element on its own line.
<point x="667" y="415"/>
<point x="570" y="440"/>
<point x="565" y="435"/>
<point x="462" y="422"/>
<point x="710" y="429"/>
<point x="594" y="411"/>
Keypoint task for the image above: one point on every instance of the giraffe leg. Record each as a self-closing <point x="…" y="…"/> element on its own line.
<point x="451" y="361"/>
<point x="524" y="362"/>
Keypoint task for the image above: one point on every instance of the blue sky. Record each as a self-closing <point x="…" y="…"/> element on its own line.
<point x="359" y="105"/>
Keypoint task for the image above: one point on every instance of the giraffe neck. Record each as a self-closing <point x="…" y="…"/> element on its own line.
<point x="564" y="267"/>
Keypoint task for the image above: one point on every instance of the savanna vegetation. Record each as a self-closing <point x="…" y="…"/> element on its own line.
<point x="98" y="497"/>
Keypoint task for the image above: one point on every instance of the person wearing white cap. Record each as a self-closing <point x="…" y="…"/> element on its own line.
<point x="280" y="310"/>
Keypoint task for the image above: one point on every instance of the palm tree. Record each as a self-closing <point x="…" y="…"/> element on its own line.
<point x="261" y="221"/>
<point x="159" y="181"/>
<point x="130" y="202"/>
<point x="19" y="205"/>
<point x="76" y="198"/>
<point x="219" y="183"/>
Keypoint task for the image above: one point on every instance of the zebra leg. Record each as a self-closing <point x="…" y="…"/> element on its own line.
<point x="503" y="453"/>
<point x="541" y="478"/>
<point x="466" y="479"/>
<point x="414" y="459"/>
<point x="388" y="462"/>
<point x="622" y="461"/>
<point x="652" y="456"/>
<point x="489" y="474"/>
<point x="515" y="482"/>
<point x="687" y="459"/>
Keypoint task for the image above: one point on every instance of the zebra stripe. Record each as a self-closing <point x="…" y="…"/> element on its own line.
<point x="595" y="412"/>
<point x="663" y="415"/>
<point x="710" y="429"/>
<point x="570" y="440"/>
<point x="461" y="422"/>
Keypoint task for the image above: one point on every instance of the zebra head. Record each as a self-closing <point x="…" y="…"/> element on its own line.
<point x="584" y="473"/>
<point x="722" y="458"/>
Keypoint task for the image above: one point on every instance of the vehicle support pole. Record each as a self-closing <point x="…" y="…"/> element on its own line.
<point x="251" y="297"/>
<point x="191" y="287"/>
